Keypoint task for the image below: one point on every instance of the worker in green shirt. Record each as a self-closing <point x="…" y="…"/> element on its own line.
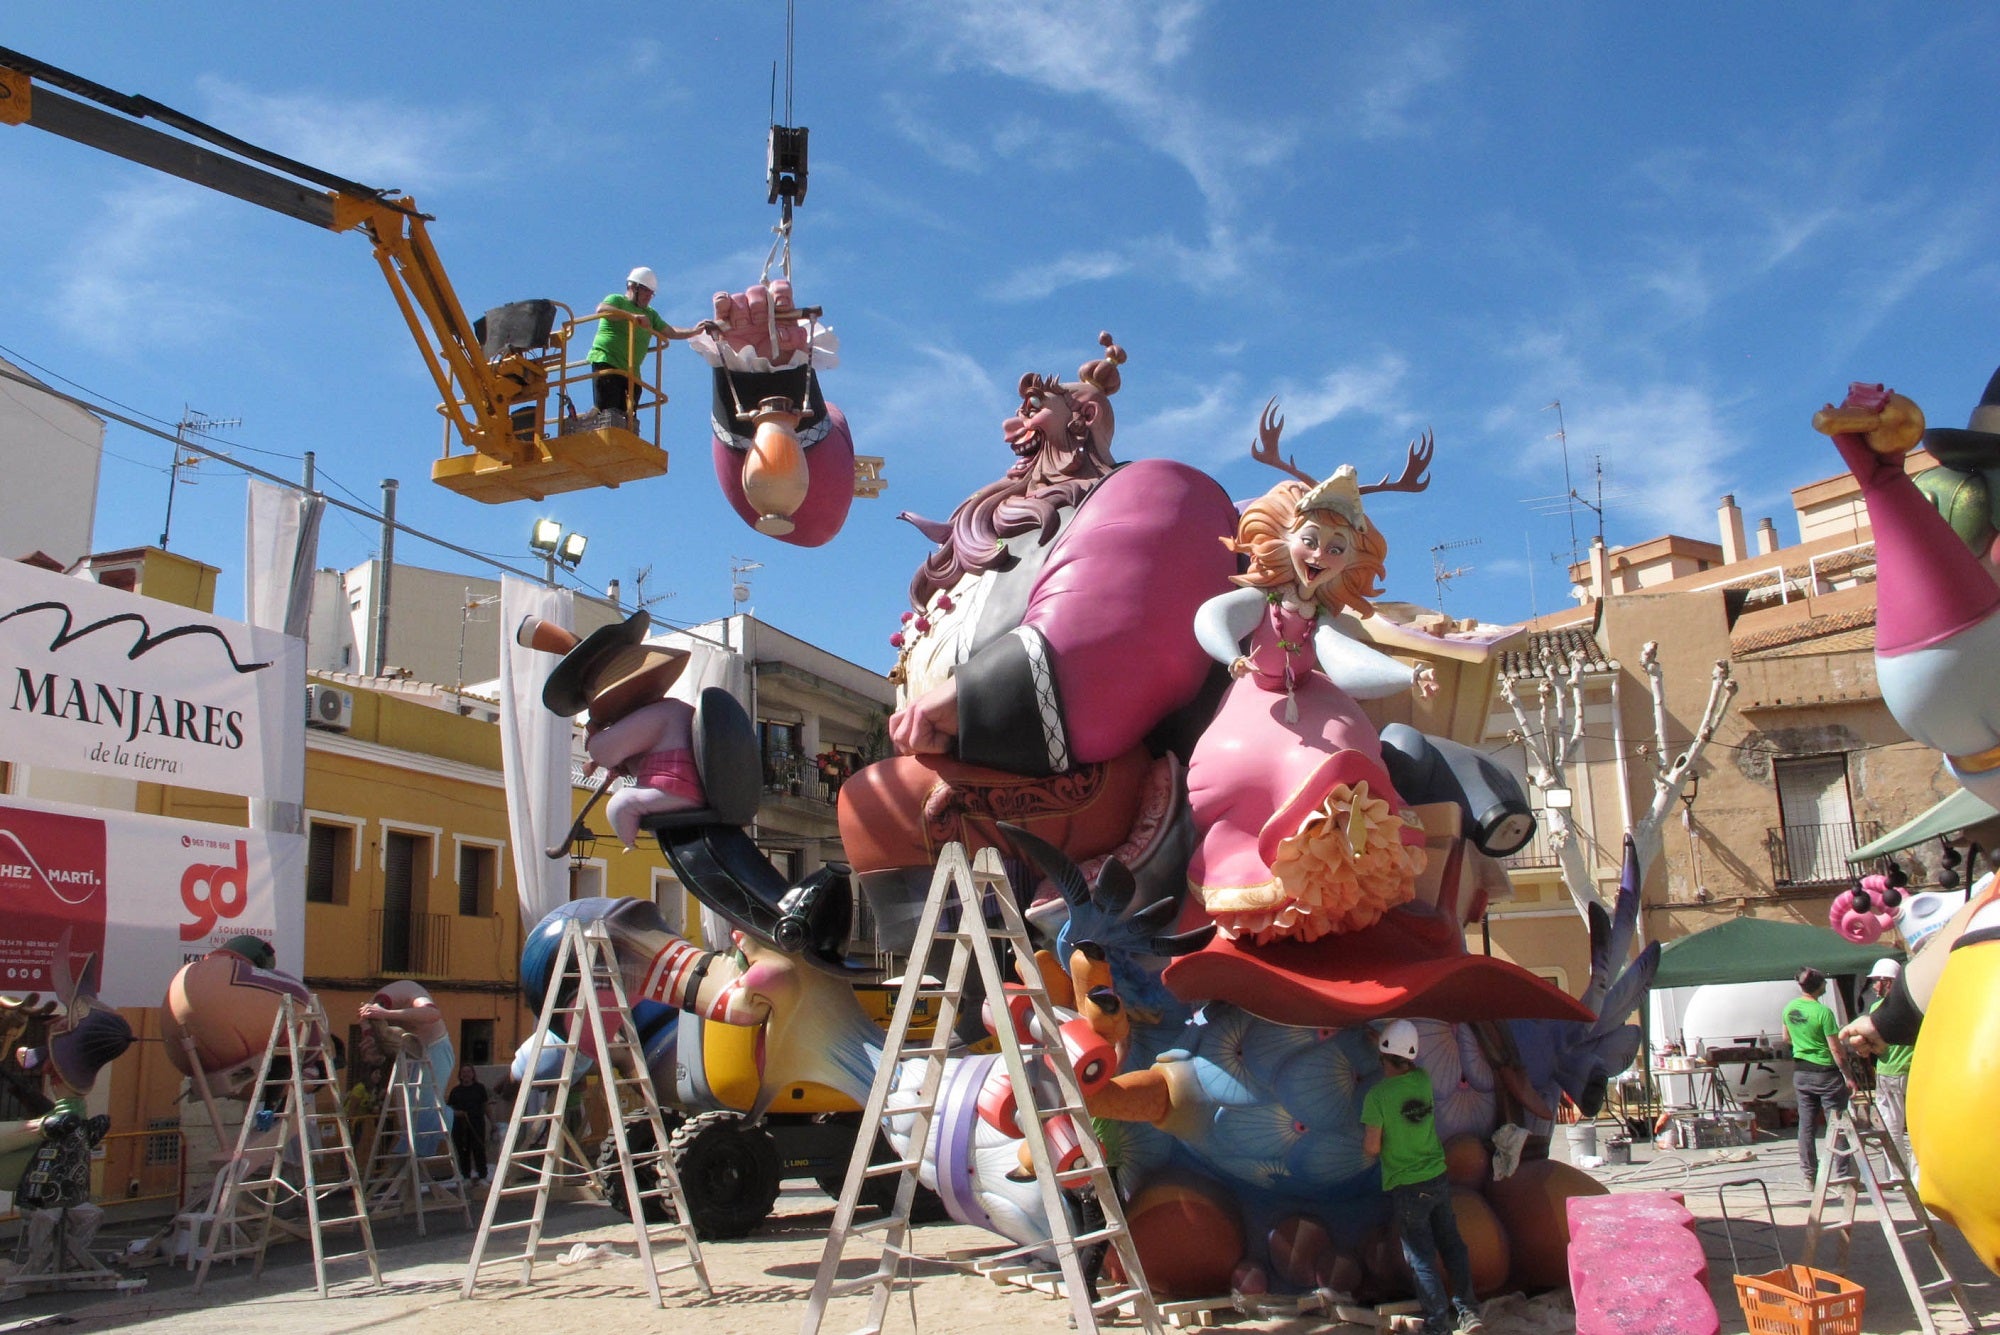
<point x="1820" y="1074"/>
<point x="623" y="337"/>
<point x="1892" y="1068"/>
<point x="1399" y="1125"/>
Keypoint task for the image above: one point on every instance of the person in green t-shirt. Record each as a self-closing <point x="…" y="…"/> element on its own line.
<point x="1400" y="1126"/>
<point x="1820" y="1075"/>
<point x="623" y="337"/>
<point x="1892" y="1068"/>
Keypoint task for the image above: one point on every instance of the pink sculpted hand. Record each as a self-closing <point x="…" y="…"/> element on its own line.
<point x="745" y="320"/>
<point x="928" y="724"/>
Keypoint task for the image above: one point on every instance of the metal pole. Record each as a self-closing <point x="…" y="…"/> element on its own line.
<point x="174" y="472"/>
<point x="384" y="576"/>
<point x="309" y="472"/>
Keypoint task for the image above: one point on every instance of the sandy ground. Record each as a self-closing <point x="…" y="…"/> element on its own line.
<point x="761" y="1283"/>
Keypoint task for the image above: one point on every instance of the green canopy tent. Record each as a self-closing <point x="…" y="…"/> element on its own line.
<point x="1758" y="950"/>
<point x="1955" y="813"/>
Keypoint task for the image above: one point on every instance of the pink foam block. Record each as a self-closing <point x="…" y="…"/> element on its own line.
<point x="1635" y="1264"/>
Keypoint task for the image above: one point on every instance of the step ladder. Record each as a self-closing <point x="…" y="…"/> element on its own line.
<point x="961" y="887"/>
<point x="586" y="998"/>
<point x="257" y="1182"/>
<point x="411" y="1166"/>
<point x="1861" y="1147"/>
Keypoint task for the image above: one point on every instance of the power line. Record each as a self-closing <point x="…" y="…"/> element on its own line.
<point x="374" y="515"/>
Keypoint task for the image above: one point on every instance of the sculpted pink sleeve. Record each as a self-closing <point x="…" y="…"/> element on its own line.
<point x="1116" y="602"/>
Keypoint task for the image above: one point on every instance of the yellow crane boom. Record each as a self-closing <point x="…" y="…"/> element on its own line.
<point x="497" y="400"/>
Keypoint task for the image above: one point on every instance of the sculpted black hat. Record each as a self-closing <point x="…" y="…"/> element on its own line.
<point x="1977" y="444"/>
<point x="608" y="670"/>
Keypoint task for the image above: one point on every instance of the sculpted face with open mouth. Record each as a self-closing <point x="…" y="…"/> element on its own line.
<point x="1320" y="549"/>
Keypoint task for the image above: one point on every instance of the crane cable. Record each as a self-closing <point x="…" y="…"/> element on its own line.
<point x="781" y="244"/>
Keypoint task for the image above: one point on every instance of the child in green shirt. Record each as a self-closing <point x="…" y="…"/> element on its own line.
<point x="1400" y="1128"/>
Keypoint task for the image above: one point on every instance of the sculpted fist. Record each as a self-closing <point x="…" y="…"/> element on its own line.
<point x="745" y="321"/>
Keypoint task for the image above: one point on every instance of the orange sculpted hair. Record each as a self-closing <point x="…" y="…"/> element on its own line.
<point x="1261" y="533"/>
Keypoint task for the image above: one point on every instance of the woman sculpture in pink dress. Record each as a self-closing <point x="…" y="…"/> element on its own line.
<point x="1300" y="833"/>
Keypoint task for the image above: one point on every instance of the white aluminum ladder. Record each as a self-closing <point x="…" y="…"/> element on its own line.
<point x="586" y="998"/>
<point x="254" y="1181"/>
<point x="411" y="1166"/>
<point x="1032" y="1066"/>
<point x="1858" y="1145"/>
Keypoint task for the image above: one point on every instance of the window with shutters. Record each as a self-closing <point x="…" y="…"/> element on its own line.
<point x="477" y="866"/>
<point x="1818" y="828"/>
<point x="403" y="856"/>
<point x="329" y="858"/>
<point x="671" y="900"/>
<point x="475" y="1043"/>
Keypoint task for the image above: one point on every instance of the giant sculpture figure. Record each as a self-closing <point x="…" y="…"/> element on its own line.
<point x="1937" y="637"/>
<point x="45" y="1158"/>
<point x="1051" y="634"/>
<point x="1053" y="680"/>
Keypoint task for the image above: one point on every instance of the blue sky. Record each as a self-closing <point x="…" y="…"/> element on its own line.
<point x="1691" y="224"/>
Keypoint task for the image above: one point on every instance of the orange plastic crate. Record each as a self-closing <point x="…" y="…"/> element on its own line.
<point x="1800" y="1300"/>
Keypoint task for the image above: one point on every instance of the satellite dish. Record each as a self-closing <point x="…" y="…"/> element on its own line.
<point x="740" y="592"/>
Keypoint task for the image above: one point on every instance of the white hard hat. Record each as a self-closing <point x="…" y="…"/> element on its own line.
<point x="1399" y="1039"/>
<point x="1886" y="969"/>
<point x="645" y="278"/>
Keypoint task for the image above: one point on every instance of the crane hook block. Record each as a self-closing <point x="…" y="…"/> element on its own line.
<point x="787" y="162"/>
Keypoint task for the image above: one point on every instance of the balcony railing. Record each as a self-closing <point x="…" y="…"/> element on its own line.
<point x="411" y="945"/>
<point x="1816" y="854"/>
<point x="1537" y="852"/>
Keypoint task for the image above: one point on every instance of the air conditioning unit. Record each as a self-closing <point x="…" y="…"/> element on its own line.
<point x="329" y="707"/>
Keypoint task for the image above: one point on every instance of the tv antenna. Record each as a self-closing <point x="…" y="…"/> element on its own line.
<point x="641" y="602"/>
<point x="1571" y="498"/>
<point x="201" y="424"/>
<point x="739" y="581"/>
<point x="1438" y="571"/>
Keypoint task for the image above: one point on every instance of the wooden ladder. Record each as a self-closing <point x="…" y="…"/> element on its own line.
<point x="586" y="1002"/>
<point x="1859" y="1146"/>
<point x="1035" y="1067"/>
<point x="254" y="1181"/>
<point x="411" y="1166"/>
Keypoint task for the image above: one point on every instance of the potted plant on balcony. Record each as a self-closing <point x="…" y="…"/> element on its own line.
<point x="834" y="767"/>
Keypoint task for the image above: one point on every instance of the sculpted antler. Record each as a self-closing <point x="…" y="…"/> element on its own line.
<point x="1416" y="468"/>
<point x="1269" y="426"/>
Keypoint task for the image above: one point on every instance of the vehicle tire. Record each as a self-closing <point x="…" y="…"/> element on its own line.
<point x="730" y="1171"/>
<point x="879" y="1193"/>
<point x="639" y="1138"/>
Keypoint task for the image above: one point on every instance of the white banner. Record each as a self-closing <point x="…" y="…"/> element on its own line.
<point x="534" y="749"/>
<point x="102" y="681"/>
<point x="147" y="893"/>
<point x="280" y="549"/>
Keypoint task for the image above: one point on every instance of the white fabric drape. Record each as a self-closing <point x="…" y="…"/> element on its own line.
<point x="280" y="551"/>
<point x="534" y="749"/>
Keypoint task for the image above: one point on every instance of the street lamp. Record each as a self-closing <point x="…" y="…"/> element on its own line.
<point x="548" y="539"/>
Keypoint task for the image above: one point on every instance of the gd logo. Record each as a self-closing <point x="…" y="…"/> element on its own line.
<point x="211" y="892"/>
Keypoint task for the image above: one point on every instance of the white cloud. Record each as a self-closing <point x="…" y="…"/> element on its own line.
<point x="903" y="410"/>
<point x="1370" y="388"/>
<point x="391" y="145"/>
<point x="922" y="130"/>
<point x="1396" y="104"/>
<point x="1668" y="450"/>
<point x="1218" y="426"/>
<point x="135" y="269"/>
<point x="1223" y="262"/>
<point x="1125" y="54"/>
